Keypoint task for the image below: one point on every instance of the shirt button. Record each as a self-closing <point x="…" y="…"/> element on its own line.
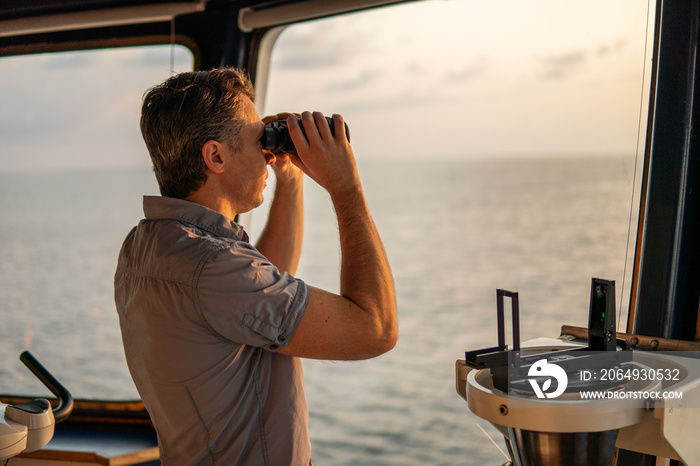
<point x="281" y="338"/>
<point x="273" y="347"/>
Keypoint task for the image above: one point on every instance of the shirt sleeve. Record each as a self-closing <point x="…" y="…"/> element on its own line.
<point x="245" y="299"/>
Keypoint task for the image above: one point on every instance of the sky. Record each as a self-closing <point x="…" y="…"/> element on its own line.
<point x="435" y="78"/>
<point x="498" y="77"/>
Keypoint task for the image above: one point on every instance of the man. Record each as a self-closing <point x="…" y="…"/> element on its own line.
<point x="212" y="326"/>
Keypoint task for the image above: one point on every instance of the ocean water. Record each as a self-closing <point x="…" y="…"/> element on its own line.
<point x="455" y="230"/>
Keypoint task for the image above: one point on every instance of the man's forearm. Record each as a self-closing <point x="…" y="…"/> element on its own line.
<point x="361" y="322"/>
<point x="365" y="276"/>
<point x="282" y="237"/>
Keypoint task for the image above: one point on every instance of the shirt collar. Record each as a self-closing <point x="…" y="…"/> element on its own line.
<point x="169" y="208"/>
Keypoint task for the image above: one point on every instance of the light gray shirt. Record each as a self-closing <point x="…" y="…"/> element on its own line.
<point x="202" y="314"/>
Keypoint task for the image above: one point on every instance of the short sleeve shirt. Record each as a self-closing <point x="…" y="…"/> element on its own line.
<point x="202" y="315"/>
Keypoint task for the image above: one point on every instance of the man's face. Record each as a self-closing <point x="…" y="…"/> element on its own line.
<point x="247" y="166"/>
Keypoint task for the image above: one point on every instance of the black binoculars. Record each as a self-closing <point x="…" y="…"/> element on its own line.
<point x="276" y="137"/>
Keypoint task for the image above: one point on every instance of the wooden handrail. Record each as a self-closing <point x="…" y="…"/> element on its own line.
<point x="638" y="341"/>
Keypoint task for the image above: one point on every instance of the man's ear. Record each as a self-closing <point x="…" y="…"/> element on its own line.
<point x="213" y="156"/>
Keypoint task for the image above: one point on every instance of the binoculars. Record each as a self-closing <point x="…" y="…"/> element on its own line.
<point x="276" y="137"/>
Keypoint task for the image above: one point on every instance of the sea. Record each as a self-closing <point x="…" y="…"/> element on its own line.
<point x="455" y="231"/>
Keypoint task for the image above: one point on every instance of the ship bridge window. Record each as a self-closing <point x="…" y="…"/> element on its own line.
<point x="73" y="167"/>
<point x="498" y="144"/>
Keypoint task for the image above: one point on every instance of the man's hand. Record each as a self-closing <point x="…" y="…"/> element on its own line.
<point x="285" y="171"/>
<point x="324" y="157"/>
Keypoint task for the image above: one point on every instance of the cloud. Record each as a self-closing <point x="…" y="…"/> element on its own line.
<point x="387" y="102"/>
<point x="316" y="46"/>
<point x="559" y="66"/>
<point x="158" y="56"/>
<point x="615" y="48"/>
<point x="296" y="57"/>
<point x="466" y="73"/>
<point x="352" y="84"/>
<point x="67" y="61"/>
<point x="415" y="68"/>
